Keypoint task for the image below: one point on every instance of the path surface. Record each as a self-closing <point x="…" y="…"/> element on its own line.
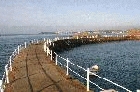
<point x="33" y="71"/>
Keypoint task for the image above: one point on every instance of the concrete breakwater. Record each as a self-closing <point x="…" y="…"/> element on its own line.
<point x="30" y="70"/>
<point x="36" y="50"/>
<point x="66" y="44"/>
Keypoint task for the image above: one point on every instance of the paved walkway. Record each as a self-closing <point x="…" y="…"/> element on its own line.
<point x="33" y="71"/>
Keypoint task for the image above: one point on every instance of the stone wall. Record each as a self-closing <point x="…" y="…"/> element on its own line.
<point x="67" y="44"/>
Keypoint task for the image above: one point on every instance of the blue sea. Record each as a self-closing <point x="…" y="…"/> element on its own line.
<point x="118" y="61"/>
<point x="8" y="43"/>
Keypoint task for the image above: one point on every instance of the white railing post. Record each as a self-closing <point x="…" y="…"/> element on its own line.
<point x="67" y="66"/>
<point x="15" y="51"/>
<point x="6" y="72"/>
<point x="18" y="49"/>
<point x="32" y="41"/>
<point x="25" y="44"/>
<point x="47" y="51"/>
<point x="44" y="39"/>
<point x="1" y="88"/>
<point x="37" y="41"/>
<point x="53" y="44"/>
<point x="47" y="42"/>
<point x="56" y="60"/>
<point x="77" y="37"/>
<point x="51" y="56"/>
<point x="55" y="39"/>
<point x="45" y="46"/>
<point x="10" y="61"/>
<point x="87" y="79"/>
<point x="50" y="42"/>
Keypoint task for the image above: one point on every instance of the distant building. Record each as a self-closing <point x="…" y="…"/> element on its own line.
<point x="134" y="33"/>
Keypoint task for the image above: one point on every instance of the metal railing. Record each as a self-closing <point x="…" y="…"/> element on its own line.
<point x="66" y="63"/>
<point x="8" y="66"/>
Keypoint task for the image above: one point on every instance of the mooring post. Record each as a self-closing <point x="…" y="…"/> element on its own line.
<point x="51" y="55"/>
<point x="10" y="61"/>
<point x="67" y="66"/>
<point x="6" y="72"/>
<point x="87" y="79"/>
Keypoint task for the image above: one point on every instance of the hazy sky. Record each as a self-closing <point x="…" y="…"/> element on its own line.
<point x="82" y="13"/>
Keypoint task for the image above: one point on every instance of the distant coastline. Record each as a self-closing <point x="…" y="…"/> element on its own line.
<point x="47" y="33"/>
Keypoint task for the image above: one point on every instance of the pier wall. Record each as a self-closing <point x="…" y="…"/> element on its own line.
<point x="60" y="45"/>
<point x="66" y="44"/>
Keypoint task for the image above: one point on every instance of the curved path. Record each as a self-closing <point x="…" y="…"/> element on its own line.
<point x="33" y="71"/>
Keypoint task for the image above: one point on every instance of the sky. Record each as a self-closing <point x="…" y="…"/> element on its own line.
<point x="69" y="14"/>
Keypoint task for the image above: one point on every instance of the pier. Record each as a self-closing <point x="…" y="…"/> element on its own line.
<point x="35" y="67"/>
<point x="33" y="71"/>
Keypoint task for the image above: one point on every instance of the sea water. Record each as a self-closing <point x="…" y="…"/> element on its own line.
<point x="118" y="62"/>
<point x="8" y="43"/>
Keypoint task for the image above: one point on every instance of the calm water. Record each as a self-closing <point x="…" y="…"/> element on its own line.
<point x="118" y="61"/>
<point x="9" y="43"/>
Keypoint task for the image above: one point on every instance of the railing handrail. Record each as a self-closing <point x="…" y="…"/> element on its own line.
<point x="8" y="66"/>
<point x="68" y="68"/>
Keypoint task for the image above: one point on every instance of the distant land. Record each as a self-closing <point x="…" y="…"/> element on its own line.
<point x="38" y="29"/>
<point x="47" y="33"/>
